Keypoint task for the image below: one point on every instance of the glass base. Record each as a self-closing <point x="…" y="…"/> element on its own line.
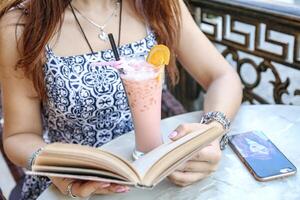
<point x="137" y="154"/>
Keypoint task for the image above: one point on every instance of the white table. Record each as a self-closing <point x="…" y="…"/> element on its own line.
<point x="232" y="181"/>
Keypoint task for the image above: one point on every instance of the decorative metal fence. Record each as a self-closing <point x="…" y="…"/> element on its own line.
<point x="260" y="40"/>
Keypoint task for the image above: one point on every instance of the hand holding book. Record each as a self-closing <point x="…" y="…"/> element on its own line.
<point x="77" y="188"/>
<point x="88" y="163"/>
<point x="202" y="164"/>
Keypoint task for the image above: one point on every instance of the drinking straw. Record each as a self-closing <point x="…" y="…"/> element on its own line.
<point x="113" y="46"/>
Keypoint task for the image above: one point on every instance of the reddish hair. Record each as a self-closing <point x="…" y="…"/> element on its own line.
<point x="42" y="18"/>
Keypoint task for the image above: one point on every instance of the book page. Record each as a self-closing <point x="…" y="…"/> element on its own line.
<point x="79" y="177"/>
<point x="180" y="155"/>
<point x="78" y="156"/>
<point x="173" y="167"/>
<point x="79" y="171"/>
<point x="122" y="146"/>
<point x="145" y="163"/>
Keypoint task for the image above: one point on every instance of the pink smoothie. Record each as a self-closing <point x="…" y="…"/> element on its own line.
<point x="143" y="85"/>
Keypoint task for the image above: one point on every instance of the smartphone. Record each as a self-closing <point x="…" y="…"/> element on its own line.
<point x="261" y="157"/>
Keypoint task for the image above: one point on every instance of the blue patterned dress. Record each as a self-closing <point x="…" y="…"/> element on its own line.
<point x="86" y="105"/>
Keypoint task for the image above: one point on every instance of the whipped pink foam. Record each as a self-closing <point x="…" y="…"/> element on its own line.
<point x="132" y="69"/>
<point x="115" y="64"/>
<point x="138" y="70"/>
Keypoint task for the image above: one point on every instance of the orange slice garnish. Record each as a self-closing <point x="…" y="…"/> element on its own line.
<point x="159" y="55"/>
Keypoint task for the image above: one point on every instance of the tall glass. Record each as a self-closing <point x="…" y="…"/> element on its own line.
<point x="143" y="85"/>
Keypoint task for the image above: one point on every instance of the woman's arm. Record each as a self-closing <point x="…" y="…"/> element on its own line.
<point x="223" y="93"/>
<point x="22" y="115"/>
<point x="21" y="111"/>
<point x="208" y="67"/>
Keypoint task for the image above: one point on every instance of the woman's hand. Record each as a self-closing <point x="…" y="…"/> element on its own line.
<point x="202" y="164"/>
<point x="87" y="188"/>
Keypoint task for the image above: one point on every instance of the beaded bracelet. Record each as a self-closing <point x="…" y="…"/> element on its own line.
<point x="216" y="116"/>
<point x="32" y="158"/>
<point x="222" y="119"/>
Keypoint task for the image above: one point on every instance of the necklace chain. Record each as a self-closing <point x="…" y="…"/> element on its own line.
<point x="102" y="35"/>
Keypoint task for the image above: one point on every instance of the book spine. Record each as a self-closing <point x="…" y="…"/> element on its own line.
<point x="144" y="187"/>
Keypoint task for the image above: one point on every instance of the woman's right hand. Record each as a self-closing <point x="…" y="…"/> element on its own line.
<point x="87" y="188"/>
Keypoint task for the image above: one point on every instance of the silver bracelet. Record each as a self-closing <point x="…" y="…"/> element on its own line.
<point x="32" y="158"/>
<point x="222" y="119"/>
<point x="216" y="116"/>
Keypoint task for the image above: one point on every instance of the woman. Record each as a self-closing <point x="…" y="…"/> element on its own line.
<point x="42" y="70"/>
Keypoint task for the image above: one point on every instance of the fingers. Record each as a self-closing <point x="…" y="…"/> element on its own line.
<point x="61" y="183"/>
<point x="211" y="154"/>
<point x="199" y="167"/>
<point x="87" y="188"/>
<point x="113" y="189"/>
<point x="186" y="178"/>
<point x="196" y="166"/>
<point x="119" y="188"/>
<point x="184" y="129"/>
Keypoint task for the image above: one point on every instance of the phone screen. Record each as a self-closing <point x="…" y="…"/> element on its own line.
<point x="260" y="155"/>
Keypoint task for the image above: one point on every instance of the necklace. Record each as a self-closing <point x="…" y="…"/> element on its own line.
<point x="102" y="35"/>
<point x="83" y="33"/>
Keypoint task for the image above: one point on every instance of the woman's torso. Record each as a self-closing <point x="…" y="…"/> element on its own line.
<point x="87" y="104"/>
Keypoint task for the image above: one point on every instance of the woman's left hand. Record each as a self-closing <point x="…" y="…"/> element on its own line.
<point x="204" y="163"/>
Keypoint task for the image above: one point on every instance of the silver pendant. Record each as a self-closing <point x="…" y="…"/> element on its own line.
<point x="103" y="36"/>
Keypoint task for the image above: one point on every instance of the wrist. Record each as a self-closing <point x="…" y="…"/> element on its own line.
<point x="216" y="117"/>
<point x="32" y="158"/>
<point x="217" y="124"/>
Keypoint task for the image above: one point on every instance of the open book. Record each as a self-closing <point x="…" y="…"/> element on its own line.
<point x="88" y="163"/>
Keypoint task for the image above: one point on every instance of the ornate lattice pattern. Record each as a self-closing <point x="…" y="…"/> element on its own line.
<point x="260" y="40"/>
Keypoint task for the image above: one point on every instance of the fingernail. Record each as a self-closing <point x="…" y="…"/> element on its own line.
<point x="173" y="134"/>
<point x="121" y="189"/>
<point x="105" y="185"/>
